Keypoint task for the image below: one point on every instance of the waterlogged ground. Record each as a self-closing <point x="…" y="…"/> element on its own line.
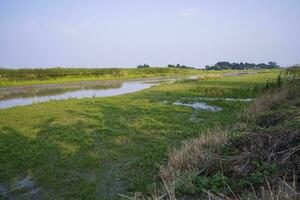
<point x="27" y="95"/>
<point x="199" y="106"/>
<point x="97" y="148"/>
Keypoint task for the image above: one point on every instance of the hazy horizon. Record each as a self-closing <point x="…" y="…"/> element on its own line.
<point x="106" y="34"/>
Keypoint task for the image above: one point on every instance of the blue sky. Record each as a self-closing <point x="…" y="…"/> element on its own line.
<point x="125" y="33"/>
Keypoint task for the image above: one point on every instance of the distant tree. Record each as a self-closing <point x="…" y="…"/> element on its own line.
<point x="273" y="64"/>
<point x="143" y="66"/>
<point x="179" y="66"/>
<point x="223" y="65"/>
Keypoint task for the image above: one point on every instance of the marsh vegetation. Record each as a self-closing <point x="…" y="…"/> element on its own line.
<point x="136" y="144"/>
<point x="15" y="77"/>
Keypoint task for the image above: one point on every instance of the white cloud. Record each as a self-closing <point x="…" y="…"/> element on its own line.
<point x="190" y="12"/>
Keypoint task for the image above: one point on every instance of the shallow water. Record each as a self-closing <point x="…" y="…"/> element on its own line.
<point x="23" y="188"/>
<point x="199" y="106"/>
<point x="124" y="88"/>
<point x="224" y="99"/>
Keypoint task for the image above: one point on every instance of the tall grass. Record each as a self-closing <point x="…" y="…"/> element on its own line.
<point x="218" y="165"/>
<point x="270" y="99"/>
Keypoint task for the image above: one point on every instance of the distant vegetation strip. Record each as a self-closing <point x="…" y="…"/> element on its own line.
<point x="15" y="77"/>
<point x="241" y="66"/>
<point x="29" y="74"/>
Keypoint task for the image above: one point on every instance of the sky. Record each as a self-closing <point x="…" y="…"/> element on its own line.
<point x="126" y="33"/>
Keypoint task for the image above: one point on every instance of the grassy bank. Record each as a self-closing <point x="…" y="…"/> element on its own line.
<point x="97" y="148"/>
<point x="20" y="77"/>
<point x="255" y="158"/>
<point x="9" y="77"/>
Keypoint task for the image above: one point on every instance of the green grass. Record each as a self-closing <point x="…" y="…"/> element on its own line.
<point x="240" y="159"/>
<point x="20" y="77"/>
<point x="96" y="148"/>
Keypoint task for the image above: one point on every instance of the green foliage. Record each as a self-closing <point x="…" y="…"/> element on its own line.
<point x="179" y="66"/>
<point x="293" y="71"/>
<point x="241" y="66"/>
<point x="202" y="183"/>
<point x="272" y="84"/>
<point x="143" y="66"/>
<point x="218" y="181"/>
<point x="255" y="178"/>
<point x="199" y="184"/>
<point x="279" y="81"/>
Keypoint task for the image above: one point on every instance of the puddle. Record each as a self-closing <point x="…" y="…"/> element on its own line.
<point x="22" y="189"/>
<point x="199" y="106"/>
<point x="238" y="73"/>
<point x="224" y="99"/>
<point x="3" y="191"/>
<point x="24" y="183"/>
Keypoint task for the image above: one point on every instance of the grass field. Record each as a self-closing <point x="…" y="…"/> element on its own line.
<point x="20" y="77"/>
<point x="96" y="148"/>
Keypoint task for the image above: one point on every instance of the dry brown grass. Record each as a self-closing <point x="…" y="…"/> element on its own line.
<point x="268" y="100"/>
<point x="275" y="148"/>
<point x="281" y="191"/>
<point x="195" y="155"/>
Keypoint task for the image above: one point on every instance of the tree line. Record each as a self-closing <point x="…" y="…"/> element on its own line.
<point x="169" y="66"/>
<point x="179" y="66"/>
<point x="227" y="65"/>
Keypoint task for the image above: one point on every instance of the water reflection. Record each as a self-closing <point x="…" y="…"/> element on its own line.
<point x="36" y="95"/>
<point x="33" y="91"/>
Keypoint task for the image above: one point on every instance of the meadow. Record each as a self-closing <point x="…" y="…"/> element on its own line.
<point x="20" y="77"/>
<point x="257" y="157"/>
<point x="98" y="148"/>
